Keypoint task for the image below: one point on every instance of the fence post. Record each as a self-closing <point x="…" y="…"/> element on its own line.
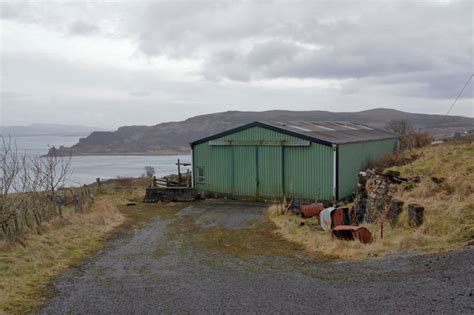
<point x="15" y="222"/>
<point x="415" y="213"/>
<point x="78" y="205"/>
<point x="396" y="207"/>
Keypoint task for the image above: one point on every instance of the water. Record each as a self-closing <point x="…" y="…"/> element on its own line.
<point x="85" y="169"/>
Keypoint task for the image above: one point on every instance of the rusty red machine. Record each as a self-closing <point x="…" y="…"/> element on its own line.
<point x="339" y="220"/>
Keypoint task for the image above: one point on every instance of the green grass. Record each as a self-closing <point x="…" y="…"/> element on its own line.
<point x="258" y="239"/>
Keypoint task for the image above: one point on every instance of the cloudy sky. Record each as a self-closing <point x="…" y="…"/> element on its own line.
<point x="128" y="62"/>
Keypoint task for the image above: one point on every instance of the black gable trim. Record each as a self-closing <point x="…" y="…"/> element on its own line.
<point x="262" y="125"/>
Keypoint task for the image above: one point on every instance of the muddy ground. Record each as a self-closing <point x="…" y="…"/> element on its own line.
<point x="215" y="257"/>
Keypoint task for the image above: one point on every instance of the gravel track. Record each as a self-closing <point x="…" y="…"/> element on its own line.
<point x="152" y="270"/>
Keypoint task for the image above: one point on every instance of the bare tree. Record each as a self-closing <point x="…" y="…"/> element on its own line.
<point x="149" y="171"/>
<point x="56" y="171"/>
<point x="409" y="137"/>
<point x="400" y="126"/>
<point x="32" y="186"/>
<point x="28" y="188"/>
<point x="21" y="187"/>
<point x="10" y="169"/>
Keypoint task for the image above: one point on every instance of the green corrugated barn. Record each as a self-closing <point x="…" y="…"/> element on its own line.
<point x="269" y="160"/>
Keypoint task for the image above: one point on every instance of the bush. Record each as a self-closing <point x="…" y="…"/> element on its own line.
<point x="415" y="139"/>
<point x="149" y="171"/>
<point x="124" y="182"/>
<point x="409" y="137"/>
<point x="393" y="159"/>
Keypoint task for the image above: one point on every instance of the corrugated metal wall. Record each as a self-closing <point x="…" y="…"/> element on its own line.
<point x="265" y="171"/>
<point x="270" y="171"/>
<point x="355" y="157"/>
<point x="309" y="172"/>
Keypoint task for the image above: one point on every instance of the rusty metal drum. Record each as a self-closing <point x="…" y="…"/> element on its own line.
<point x="350" y="233"/>
<point x="312" y="210"/>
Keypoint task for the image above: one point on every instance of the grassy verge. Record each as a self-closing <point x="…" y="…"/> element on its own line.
<point x="449" y="210"/>
<point x="28" y="265"/>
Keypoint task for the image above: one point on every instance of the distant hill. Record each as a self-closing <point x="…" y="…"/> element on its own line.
<point x="174" y="137"/>
<point x="47" y="130"/>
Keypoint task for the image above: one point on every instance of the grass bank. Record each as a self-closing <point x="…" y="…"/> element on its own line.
<point x="449" y="210"/>
<point x="28" y="264"/>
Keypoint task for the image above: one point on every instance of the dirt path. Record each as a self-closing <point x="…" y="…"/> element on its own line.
<point x="215" y="257"/>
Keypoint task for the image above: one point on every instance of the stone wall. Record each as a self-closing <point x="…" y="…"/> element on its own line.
<point x="373" y="195"/>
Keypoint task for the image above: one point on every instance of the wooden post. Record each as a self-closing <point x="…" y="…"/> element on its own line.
<point x="16" y="222"/>
<point x="415" y="214"/>
<point x="396" y="207"/>
<point x="99" y="183"/>
<point x="179" y="164"/>
<point x="179" y="172"/>
<point x="78" y="205"/>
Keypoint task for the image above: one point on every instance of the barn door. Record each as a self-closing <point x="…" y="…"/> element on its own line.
<point x="257" y="171"/>
<point x="270" y="172"/>
<point x="245" y="171"/>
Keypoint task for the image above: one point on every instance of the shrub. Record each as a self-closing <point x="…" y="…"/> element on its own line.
<point x="124" y="182"/>
<point x="393" y="159"/>
<point x="409" y="137"/>
<point x="415" y="139"/>
<point x="149" y="171"/>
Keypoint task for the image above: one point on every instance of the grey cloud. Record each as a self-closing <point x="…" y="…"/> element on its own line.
<point x="42" y="74"/>
<point x="76" y="93"/>
<point x="406" y="55"/>
<point x="395" y="42"/>
<point x="8" y="10"/>
<point x="43" y="13"/>
<point x="8" y="95"/>
<point x="139" y="93"/>
<point x="69" y="17"/>
<point x="277" y="59"/>
<point x="434" y="84"/>
<point x="272" y="52"/>
<point x="189" y="28"/>
<point x="82" y="28"/>
<point x="178" y="26"/>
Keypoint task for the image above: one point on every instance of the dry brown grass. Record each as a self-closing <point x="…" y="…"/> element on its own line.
<point x="449" y="206"/>
<point x="449" y="211"/>
<point x="26" y="267"/>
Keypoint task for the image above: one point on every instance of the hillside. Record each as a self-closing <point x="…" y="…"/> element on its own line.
<point x="174" y="137"/>
<point x="445" y="190"/>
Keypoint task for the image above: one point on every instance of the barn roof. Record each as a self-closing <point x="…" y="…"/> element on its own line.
<point x="324" y="132"/>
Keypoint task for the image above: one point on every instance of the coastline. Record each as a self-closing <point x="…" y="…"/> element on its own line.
<point x="167" y="153"/>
